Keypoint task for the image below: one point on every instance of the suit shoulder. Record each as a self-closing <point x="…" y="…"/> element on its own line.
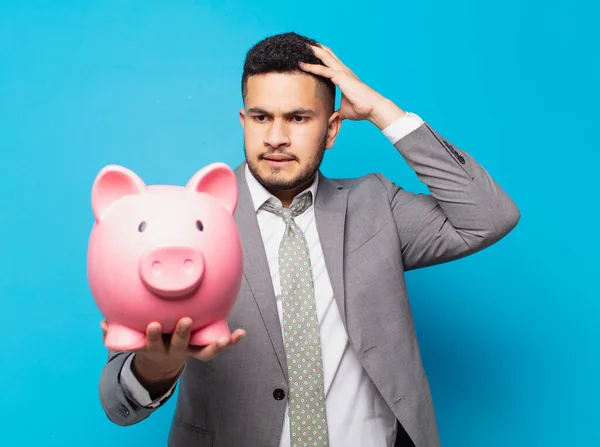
<point x="371" y="181"/>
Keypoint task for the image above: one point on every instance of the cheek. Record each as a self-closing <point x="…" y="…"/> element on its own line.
<point x="252" y="129"/>
<point x="307" y="137"/>
<point x="253" y="139"/>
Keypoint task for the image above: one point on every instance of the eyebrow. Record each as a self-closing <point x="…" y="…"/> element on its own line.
<point x="294" y="112"/>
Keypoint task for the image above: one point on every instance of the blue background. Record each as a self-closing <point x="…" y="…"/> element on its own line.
<point x="510" y="336"/>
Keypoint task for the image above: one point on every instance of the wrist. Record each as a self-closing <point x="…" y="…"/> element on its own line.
<point x="150" y="375"/>
<point x="384" y="113"/>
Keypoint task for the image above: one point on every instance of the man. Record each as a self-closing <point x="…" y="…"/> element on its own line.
<point x="332" y="357"/>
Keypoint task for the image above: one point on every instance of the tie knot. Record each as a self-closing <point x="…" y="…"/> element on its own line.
<point x="301" y="205"/>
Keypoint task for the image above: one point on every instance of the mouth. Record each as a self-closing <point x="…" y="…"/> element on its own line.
<point x="278" y="160"/>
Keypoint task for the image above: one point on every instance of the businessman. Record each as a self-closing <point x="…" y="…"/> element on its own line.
<point x="324" y="351"/>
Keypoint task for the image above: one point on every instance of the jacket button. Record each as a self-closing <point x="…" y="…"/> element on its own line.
<point x="278" y="394"/>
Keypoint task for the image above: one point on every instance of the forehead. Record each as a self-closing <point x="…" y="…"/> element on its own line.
<point x="282" y="90"/>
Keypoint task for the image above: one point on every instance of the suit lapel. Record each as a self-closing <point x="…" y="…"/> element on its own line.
<point x="256" y="268"/>
<point x="330" y="214"/>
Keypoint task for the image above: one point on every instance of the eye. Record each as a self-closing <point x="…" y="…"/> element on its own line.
<point x="299" y="118"/>
<point x="199" y="225"/>
<point x="142" y="227"/>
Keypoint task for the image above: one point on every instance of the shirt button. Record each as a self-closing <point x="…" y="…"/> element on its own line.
<point x="278" y="394"/>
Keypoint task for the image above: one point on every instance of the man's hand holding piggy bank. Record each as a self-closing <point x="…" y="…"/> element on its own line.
<point x="165" y="259"/>
<point x="160" y="362"/>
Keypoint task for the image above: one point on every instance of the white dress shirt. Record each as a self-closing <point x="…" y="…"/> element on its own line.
<point x="357" y="415"/>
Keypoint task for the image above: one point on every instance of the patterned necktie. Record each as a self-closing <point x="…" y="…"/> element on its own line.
<point x="308" y="421"/>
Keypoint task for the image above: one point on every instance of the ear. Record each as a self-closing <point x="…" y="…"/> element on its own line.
<point x="112" y="183"/>
<point x="333" y="128"/>
<point x="243" y="117"/>
<point x="218" y="180"/>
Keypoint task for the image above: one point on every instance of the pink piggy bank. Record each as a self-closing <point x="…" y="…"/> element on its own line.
<point x="163" y="252"/>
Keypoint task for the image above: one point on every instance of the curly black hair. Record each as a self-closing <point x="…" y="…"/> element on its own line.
<point x="280" y="54"/>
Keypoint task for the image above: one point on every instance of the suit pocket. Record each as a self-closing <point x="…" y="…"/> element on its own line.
<point x="184" y="434"/>
<point x="364" y="240"/>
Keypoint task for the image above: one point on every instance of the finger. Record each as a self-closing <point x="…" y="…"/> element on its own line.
<point x="319" y="70"/>
<point x="181" y="336"/>
<point x="237" y="335"/>
<point x="330" y="52"/>
<point x="235" y="339"/>
<point x="154" y="340"/>
<point x="208" y="352"/>
<point x="104" y="327"/>
<point x="328" y="57"/>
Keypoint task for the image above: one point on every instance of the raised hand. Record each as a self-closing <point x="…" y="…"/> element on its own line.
<point x="359" y="101"/>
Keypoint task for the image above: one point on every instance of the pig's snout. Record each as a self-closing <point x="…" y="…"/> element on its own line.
<point x="172" y="272"/>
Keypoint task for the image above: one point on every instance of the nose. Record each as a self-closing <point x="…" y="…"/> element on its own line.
<point x="276" y="135"/>
<point x="172" y="272"/>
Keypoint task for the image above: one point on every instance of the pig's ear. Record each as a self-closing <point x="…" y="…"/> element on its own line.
<point x="218" y="180"/>
<point x="112" y="183"/>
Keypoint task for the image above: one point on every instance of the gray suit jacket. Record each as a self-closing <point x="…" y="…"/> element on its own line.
<point x="372" y="231"/>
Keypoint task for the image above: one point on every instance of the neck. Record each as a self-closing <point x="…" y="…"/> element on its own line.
<point x="286" y="196"/>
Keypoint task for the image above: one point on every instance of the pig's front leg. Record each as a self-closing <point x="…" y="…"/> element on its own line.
<point x="122" y="338"/>
<point x="210" y="334"/>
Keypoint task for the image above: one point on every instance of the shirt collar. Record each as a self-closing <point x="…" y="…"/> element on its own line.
<point x="260" y="195"/>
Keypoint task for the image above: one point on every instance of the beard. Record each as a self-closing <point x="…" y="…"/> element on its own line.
<point x="274" y="183"/>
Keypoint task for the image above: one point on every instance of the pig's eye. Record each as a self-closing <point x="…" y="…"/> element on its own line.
<point x="199" y="225"/>
<point x="142" y="227"/>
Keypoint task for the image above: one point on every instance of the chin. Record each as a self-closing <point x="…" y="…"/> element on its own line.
<point x="278" y="181"/>
<point x="281" y="178"/>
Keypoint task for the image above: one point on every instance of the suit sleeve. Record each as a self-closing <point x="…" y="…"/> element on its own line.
<point x="118" y="402"/>
<point x="465" y="212"/>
